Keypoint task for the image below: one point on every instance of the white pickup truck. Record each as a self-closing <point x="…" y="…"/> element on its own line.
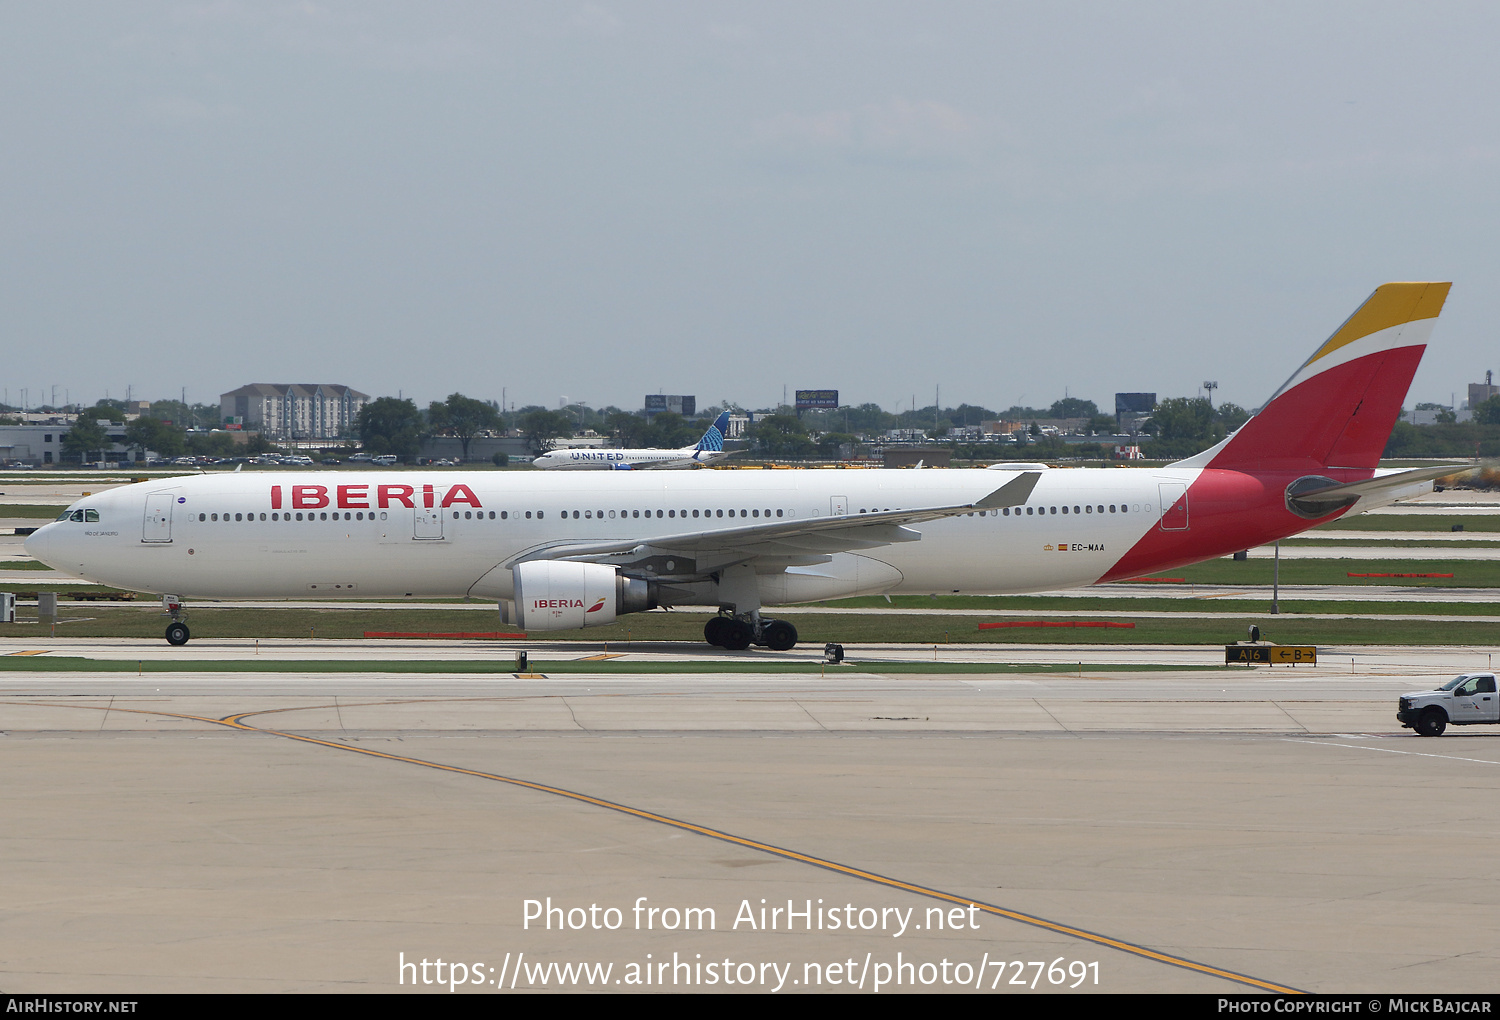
<point x="1467" y="698"/>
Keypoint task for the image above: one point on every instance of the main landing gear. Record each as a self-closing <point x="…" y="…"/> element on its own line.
<point x="177" y="630"/>
<point x="737" y="633"/>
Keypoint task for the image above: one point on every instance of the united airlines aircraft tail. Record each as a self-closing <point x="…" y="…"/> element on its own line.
<point x="713" y="439"/>
<point x="1337" y="410"/>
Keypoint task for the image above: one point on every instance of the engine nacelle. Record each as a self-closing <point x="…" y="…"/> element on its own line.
<point x="563" y="595"/>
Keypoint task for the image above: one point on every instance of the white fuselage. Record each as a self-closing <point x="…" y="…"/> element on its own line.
<point x="605" y="460"/>
<point x="384" y="534"/>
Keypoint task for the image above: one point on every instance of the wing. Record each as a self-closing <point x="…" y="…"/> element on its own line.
<point x="695" y="554"/>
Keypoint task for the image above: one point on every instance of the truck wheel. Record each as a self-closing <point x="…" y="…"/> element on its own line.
<point x="1432" y="723"/>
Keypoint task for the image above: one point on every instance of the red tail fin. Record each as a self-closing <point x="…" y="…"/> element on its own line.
<point x="1338" y="409"/>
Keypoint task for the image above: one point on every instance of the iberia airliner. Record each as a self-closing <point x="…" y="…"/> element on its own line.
<point x="579" y="550"/>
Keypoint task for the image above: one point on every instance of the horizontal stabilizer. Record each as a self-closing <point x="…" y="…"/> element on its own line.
<point x="1307" y="498"/>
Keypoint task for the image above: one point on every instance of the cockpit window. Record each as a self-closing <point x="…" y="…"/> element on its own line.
<point x="81" y="516"/>
<point x="66" y="515"/>
<point x="91" y="516"/>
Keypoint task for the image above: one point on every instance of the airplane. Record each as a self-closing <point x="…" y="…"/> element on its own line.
<point x="560" y="552"/>
<point x="709" y="449"/>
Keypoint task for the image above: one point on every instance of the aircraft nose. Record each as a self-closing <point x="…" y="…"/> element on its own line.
<point x="38" y="542"/>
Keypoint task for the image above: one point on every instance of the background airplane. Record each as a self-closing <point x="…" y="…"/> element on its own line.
<point x="709" y="449"/>
<point x="578" y="551"/>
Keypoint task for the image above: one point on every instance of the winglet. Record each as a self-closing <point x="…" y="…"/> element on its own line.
<point x="1012" y="493"/>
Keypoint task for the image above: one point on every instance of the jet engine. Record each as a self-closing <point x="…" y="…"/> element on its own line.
<point x="563" y="595"/>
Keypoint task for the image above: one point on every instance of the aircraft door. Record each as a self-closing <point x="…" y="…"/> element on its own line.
<point x="1174" y="506"/>
<point x="156" y="527"/>
<point x="428" y="524"/>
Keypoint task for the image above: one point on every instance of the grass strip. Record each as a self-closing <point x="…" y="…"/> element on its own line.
<point x="31" y="511"/>
<point x="77" y="664"/>
<point x="105" y="620"/>
<point x="1392" y="543"/>
<point x="1435" y="520"/>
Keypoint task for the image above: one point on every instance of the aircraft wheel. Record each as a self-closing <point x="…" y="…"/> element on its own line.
<point x="780" y="636"/>
<point x="738" y="635"/>
<point x="177" y="633"/>
<point x="715" y="631"/>
<point x="1432" y="723"/>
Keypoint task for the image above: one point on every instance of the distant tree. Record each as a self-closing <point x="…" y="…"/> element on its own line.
<point x="463" y="418"/>
<point x="1185" y="418"/>
<point x="669" y="430"/>
<point x="150" y="434"/>
<point x="390" y="425"/>
<point x="831" y="443"/>
<point x="1231" y="416"/>
<point x="258" y="444"/>
<point x="86" y="437"/>
<point x="543" y="428"/>
<point x="1073" y="407"/>
<point x="218" y="443"/>
<point x="781" y="435"/>
<point x="111" y="410"/>
<point x="626" y="430"/>
<point x="1488" y="412"/>
<point x="865" y="419"/>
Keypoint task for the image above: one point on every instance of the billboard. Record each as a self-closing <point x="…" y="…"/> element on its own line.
<point x="809" y="399"/>
<point x="1135" y="403"/>
<point x="687" y="406"/>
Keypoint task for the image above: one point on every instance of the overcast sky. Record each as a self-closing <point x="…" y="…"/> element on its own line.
<point x="601" y="200"/>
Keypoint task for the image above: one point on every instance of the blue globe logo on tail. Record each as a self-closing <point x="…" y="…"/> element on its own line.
<point x="713" y="439"/>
